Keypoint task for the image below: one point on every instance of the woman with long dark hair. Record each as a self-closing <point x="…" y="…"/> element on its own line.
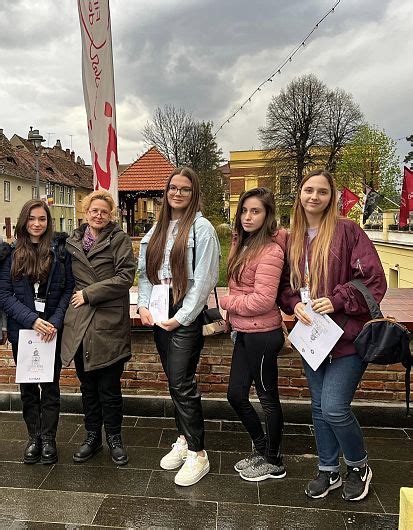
<point x="254" y="270"/>
<point x="182" y="251"/>
<point x="325" y="253"/>
<point x="36" y="283"/>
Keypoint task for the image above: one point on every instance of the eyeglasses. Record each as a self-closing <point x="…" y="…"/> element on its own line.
<point x="94" y="212"/>
<point x="185" y="192"/>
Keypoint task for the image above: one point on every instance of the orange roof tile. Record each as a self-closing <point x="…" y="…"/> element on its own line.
<point x="149" y="172"/>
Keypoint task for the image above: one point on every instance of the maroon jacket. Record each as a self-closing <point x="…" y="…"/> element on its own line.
<point x="352" y="255"/>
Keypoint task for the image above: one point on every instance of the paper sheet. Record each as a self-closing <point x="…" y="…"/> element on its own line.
<point x="35" y="358"/>
<point x="159" y="303"/>
<point x="315" y="342"/>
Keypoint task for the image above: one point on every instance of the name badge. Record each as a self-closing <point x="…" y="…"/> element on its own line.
<point x="305" y="295"/>
<point x="39" y="305"/>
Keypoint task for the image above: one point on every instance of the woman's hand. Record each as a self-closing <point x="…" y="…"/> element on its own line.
<point x="301" y="314"/>
<point x="322" y="306"/>
<point x="145" y="316"/>
<point x="48" y="337"/>
<point x="169" y="325"/>
<point x="77" y="299"/>
<point x="46" y="330"/>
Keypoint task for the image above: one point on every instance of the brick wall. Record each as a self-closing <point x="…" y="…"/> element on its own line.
<point x="144" y="376"/>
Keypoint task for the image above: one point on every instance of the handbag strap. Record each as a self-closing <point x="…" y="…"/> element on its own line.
<point x="373" y="306"/>
<point x="193" y="264"/>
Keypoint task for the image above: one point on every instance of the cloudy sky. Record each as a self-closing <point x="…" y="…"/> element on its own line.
<point x="206" y="56"/>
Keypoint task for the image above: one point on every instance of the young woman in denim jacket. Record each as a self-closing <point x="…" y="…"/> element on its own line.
<point x="167" y="257"/>
<point x="324" y="254"/>
<point x="254" y="270"/>
<point x="36" y="284"/>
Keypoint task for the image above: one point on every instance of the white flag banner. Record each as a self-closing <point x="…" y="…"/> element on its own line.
<point x="99" y="92"/>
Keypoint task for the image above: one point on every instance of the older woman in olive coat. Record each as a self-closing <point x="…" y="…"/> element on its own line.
<point x="97" y="324"/>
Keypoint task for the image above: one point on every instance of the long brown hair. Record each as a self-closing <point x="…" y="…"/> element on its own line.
<point x="318" y="270"/>
<point x="156" y="245"/>
<point x="256" y="241"/>
<point x="31" y="260"/>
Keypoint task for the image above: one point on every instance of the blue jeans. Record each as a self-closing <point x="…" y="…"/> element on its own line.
<point x="332" y="389"/>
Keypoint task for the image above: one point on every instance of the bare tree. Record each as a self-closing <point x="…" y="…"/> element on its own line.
<point x="169" y="131"/>
<point x="342" y="120"/>
<point x="307" y="125"/>
<point x="185" y="141"/>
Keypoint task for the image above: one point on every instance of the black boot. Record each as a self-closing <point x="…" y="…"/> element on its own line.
<point x="33" y="450"/>
<point x="91" y="445"/>
<point x="117" y="451"/>
<point x="49" y="450"/>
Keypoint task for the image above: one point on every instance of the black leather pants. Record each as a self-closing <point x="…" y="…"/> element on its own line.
<point x="179" y="351"/>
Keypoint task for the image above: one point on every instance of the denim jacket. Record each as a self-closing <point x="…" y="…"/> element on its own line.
<point x="201" y="281"/>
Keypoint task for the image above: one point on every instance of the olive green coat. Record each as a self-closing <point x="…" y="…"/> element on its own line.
<point x="105" y="275"/>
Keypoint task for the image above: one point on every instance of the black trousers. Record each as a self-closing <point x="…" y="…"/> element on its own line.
<point x="101" y="395"/>
<point x="255" y="360"/>
<point x="41" y="401"/>
<point x="179" y="351"/>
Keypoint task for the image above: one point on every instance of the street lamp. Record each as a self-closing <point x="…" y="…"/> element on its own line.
<point x="37" y="140"/>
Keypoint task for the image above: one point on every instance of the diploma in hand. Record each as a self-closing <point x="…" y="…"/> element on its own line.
<point x="35" y="358"/>
<point x="315" y="342"/>
<point x="159" y="303"/>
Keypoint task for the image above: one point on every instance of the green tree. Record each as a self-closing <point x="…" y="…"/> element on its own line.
<point x="371" y="159"/>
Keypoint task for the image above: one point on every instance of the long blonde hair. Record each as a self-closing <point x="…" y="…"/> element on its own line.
<point x="156" y="245"/>
<point x="239" y="255"/>
<point x="318" y="269"/>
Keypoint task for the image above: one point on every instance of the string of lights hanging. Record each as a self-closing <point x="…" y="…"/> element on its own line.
<point x="279" y="68"/>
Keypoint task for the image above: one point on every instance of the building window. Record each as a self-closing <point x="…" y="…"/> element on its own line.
<point x="61" y="194"/>
<point x="34" y="192"/>
<point x="285" y="185"/>
<point x="6" y="190"/>
<point x="69" y="196"/>
<point x="51" y="192"/>
<point x="70" y="225"/>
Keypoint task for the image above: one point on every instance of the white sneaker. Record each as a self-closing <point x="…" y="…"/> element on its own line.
<point x="193" y="470"/>
<point x="176" y="456"/>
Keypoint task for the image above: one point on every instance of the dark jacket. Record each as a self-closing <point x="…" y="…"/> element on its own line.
<point x="352" y="255"/>
<point x="17" y="296"/>
<point x="105" y="275"/>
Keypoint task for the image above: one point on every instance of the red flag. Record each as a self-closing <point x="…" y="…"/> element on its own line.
<point x="406" y="200"/>
<point x="99" y="92"/>
<point x="348" y="200"/>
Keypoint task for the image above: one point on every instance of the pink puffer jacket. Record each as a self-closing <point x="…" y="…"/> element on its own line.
<point x="251" y="304"/>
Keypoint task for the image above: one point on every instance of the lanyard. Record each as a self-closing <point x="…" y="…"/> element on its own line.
<point x="306" y="266"/>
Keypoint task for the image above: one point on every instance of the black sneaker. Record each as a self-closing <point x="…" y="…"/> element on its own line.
<point x="356" y="486"/>
<point x="321" y="486"/>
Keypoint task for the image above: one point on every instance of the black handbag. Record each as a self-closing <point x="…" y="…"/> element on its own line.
<point x="212" y="320"/>
<point x="383" y="340"/>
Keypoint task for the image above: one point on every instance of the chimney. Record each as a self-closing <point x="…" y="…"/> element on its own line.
<point x="67" y="153"/>
<point x="58" y="144"/>
<point x="72" y="156"/>
<point x="1" y="132"/>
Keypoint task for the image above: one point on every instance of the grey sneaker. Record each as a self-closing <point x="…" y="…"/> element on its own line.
<point x="247" y="462"/>
<point x="261" y="470"/>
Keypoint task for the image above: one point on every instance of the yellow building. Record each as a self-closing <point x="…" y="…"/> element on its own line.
<point x="395" y="249"/>
<point x="249" y="169"/>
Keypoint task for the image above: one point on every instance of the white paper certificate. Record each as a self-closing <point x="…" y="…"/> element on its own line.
<point x="159" y="303"/>
<point x="315" y="342"/>
<point x="35" y="358"/>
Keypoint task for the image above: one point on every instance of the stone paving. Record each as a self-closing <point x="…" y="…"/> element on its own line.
<point x="97" y="494"/>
